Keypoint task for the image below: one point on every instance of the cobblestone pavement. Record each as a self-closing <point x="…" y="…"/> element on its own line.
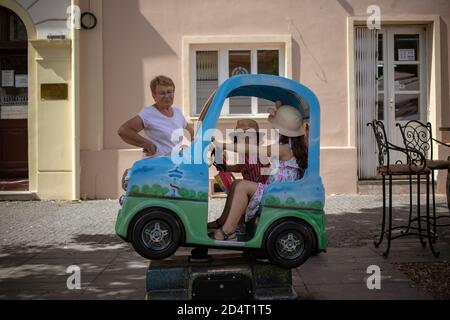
<point x="39" y="240"/>
<point x="351" y="220"/>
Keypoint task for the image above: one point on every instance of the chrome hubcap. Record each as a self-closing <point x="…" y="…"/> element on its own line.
<point x="290" y="245"/>
<point x="156" y="235"/>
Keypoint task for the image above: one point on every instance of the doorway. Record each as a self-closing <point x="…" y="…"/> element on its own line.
<point x="400" y="90"/>
<point x="14" y="175"/>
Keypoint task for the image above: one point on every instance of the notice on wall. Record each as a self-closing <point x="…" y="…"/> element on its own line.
<point x="54" y="91"/>
<point x="13" y="112"/>
<point x="406" y="54"/>
<point x="7" y="78"/>
<point x="399" y="86"/>
<point x="21" y="81"/>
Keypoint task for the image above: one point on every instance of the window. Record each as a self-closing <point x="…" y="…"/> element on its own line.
<point x="11" y="27"/>
<point x="268" y="63"/>
<point x="13" y="66"/>
<point x="240" y="62"/>
<point x="214" y="65"/>
<point x="207" y="76"/>
<point x="17" y="30"/>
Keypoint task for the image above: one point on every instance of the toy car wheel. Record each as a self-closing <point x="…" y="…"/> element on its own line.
<point x="156" y="235"/>
<point x="289" y="244"/>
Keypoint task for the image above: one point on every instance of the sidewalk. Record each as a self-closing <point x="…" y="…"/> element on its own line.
<point x="40" y="240"/>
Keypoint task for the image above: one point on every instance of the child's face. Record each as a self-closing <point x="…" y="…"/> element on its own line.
<point x="246" y="125"/>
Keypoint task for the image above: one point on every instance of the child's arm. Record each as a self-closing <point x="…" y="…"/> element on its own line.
<point x="283" y="150"/>
<point x="234" y="168"/>
<point x="224" y="145"/>
<point x="270" y="150"/>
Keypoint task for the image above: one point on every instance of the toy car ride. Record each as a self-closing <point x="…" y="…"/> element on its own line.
<point x="166" y="204"/>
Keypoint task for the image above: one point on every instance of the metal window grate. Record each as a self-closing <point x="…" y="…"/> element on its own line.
<point x="207" y="76"/>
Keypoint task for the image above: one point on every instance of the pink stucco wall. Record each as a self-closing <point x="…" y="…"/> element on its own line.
<point x="142" y="39"/>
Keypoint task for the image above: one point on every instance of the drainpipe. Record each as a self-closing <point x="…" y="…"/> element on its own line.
<point x="75" y="111"/>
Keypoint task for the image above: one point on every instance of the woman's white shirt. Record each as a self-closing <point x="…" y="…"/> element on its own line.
<point x="158" y="128"/>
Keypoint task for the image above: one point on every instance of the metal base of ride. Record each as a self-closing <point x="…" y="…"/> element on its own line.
<point x="224" y="277"/>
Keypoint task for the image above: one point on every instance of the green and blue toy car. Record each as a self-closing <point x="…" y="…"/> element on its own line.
<point x="166" y="204"/>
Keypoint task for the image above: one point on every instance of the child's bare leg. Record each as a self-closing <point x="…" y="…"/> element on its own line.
<point x="226" y="209"/>
<point x="243" y="191"/>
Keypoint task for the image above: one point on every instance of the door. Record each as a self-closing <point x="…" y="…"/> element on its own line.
<point x="403" y="90"/>
<point x="13" y="102"/>
<point x="400" y="88"/>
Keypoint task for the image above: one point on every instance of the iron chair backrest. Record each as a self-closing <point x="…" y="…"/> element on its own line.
<point x="417" y="135"/>
<point x="415" y="159"/>
<point x="382" y="143"/>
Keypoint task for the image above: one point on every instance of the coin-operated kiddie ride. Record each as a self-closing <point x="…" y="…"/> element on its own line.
<point x="166" y="204"/>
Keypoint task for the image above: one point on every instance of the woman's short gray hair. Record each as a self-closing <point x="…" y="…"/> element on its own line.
<point x="161" y="81"/>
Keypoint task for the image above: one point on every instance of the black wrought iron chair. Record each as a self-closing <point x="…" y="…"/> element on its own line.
<point x="419" y="136"/>
<point x="415" y="166"/>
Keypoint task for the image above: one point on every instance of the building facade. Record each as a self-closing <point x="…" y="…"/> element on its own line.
<point x="84" y="83"/>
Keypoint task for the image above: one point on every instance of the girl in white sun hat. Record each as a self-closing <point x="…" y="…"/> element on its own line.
<point x="293" y="157"/>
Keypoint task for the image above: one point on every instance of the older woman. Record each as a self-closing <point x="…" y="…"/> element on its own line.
<point x="158" y="121"/>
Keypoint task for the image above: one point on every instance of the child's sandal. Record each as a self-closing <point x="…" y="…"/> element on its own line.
<point x="227" y="237"/>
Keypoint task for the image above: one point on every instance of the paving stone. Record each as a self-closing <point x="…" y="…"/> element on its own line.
<point x="40" y="294"/>
<point x="349" y="274"/>
<point x="390" y="291"/>
<point x="115" y="281"/>
<point x="108" y="293"/>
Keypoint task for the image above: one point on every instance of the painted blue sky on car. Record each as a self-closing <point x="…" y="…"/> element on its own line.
<point x="159" y="171"/>
<point x="308" y="189"/>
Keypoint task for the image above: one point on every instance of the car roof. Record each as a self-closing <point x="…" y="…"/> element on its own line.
<point x="273" y="88"/>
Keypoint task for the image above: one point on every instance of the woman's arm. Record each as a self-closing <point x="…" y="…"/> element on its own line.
<point x="190" y="129"/>
<point x="129" y="132"/>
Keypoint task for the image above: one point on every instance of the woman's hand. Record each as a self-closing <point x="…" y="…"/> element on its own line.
<point x="149" y="149"/>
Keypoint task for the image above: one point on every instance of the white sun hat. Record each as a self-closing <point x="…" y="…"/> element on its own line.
<point x="288" y="120"/>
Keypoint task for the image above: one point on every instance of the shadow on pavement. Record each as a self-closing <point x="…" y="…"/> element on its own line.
<point x="361" y="228"/>
<point x="109" y="269"/>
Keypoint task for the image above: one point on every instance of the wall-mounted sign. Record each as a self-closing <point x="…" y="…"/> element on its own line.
<point x="54" y="91"/>
<point x="7" y="78"/>
<point x="13" y="112"/>
<point x="21" y="81"/>
<point x="14" y="100"/>
<point x="406" y="54"/>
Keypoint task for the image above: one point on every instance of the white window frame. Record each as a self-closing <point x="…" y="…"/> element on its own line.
<point x="224" y="44"/>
